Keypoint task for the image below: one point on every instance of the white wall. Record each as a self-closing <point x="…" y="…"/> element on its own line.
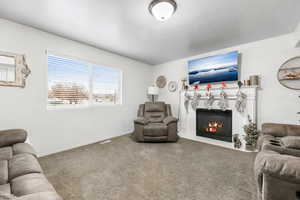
<point x="53" y="131"/>
<point x="297" y="36"/>
<point x="275" y="102"/>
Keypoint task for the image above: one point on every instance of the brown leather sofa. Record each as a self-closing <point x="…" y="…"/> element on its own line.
<point x="21" y="175"/>
<point x="277" y="165"/>
<point x="155" y="123"/>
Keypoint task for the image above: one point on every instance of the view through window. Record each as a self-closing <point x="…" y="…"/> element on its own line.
<point x="75" y="83"/>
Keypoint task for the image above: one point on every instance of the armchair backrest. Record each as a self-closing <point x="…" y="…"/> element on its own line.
<point x="154" y="112"/>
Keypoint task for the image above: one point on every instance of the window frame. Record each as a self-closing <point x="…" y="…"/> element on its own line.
<point x="90" y="69"/>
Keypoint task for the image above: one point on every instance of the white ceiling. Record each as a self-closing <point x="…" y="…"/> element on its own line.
<point x="125" y="27"/>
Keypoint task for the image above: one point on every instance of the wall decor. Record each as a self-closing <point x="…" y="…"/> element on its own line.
<point x="13" y="70"/>
<point x="172" y="86"/>
<point x="161" y="81"/>
<point x="223" y="103"/>
<point x="187" y="99"/>
<point x="210" y="97"/>
<point x="196" y="98"/>
<point x="241" y="99"/>
<point x="222" y="67"/>
<point x="289" y="73"/>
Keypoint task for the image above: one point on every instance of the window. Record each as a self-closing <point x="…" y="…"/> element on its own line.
<point x="73" y="83"/>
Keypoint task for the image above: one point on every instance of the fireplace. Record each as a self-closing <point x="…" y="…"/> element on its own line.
<point x="215" y="124"/>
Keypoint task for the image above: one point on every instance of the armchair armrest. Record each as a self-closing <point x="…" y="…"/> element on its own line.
<point x="168" y="120"/>
<point x="280" y="130"/>
<point x="280" y="166"/>
<point x="141" y="121"/>
<point x="12" y="136"/>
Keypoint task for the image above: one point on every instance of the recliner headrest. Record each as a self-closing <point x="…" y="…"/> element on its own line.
<point x="155" y="107"/>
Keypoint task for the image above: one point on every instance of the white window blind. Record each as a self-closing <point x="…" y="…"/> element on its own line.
<point x="74" y="83"/>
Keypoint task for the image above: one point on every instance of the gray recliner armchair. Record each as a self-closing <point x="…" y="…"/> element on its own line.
<point x="277" y="165"/>
<point x="155" y="123"/>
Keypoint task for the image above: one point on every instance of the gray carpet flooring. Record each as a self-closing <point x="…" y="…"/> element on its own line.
<point x="123" y="169"/>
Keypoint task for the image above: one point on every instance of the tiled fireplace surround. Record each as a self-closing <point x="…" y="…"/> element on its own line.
<point x="187" y="125"/>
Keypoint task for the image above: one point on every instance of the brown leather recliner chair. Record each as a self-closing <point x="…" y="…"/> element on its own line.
<point x="155" y="123"/>
<point x="277" y="165"/>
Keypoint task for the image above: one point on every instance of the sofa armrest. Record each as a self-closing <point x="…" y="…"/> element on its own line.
<point x="280" y="130"/>
<point x="169" y="120"/>
<point x="12" y="136"/>
<point x="284" y="167"/>
<point x="141" y="121"/>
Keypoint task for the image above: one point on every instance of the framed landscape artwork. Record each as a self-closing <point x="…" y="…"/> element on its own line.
<point x="219" y="68"/>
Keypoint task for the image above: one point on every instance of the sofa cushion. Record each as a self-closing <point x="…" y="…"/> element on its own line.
<point x="280" y="130"/>
<point x="285" y="167"/>
<point x="5" y="188"/>
<point x="156" y="130"/>
<point x="155" y="117"/>
<point x="291" y="142"/>
<point x="29" y="184"/>
<point x="6" y="153"/>
<point x="20" y="148"/>
<point x="41" y="196"/>
<point x="13" y="136"/>
<point x="22" y="164"/>
<point x="7" y="196"/>
<point x="3" y="172"/>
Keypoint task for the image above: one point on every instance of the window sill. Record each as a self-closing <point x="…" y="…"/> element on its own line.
<point x="61" y="108"/>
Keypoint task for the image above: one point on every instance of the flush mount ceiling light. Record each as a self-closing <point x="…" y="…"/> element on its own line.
<point x="162" y="10"/>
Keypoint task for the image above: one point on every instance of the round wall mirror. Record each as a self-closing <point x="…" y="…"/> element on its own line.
<point x="289" y="74"/>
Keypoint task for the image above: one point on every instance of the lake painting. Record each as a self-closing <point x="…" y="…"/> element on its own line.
<point x="223" y="67"/>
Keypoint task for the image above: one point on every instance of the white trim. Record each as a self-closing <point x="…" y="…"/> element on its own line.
<point x="91" y="70"/>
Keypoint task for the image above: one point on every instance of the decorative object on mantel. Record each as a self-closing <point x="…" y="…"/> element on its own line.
<point x="14" y="70"/>
<point x="153" y="91"/>
<point x="237" y="141"/>
<point x="196" y="98"/>
<point x="241" y="99"/>
<point x="184" y="86"/>
<point x="223" y="103"/>
<point x="254" y="80"/>
<point x="172" y="86"/>
<point x="247" y="82"/>
<point x="251" y="134"/>
<point x="161" y="81"/>
<point x="210" y="97"/>
<point x="289" y="74"/>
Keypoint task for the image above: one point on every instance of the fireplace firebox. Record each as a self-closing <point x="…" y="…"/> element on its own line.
<point x="215" y="124"/>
